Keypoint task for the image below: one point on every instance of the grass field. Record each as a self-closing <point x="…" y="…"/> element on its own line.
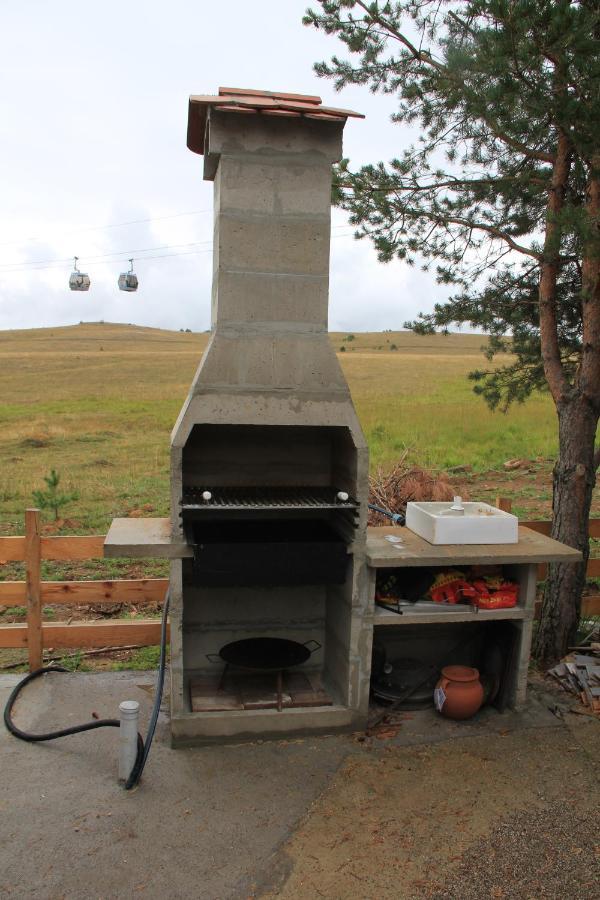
<point x="97" y="402"/>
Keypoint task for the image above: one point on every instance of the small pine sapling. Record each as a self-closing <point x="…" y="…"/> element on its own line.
<point x="52" y="498"/>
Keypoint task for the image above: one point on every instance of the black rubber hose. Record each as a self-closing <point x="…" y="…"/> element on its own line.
<point x="144" y="750"/>
<point x="49" y="735"/>
<point x="143" y="746"/>
<point x="397" y="518"/>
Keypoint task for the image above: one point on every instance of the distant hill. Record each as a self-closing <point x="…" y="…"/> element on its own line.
<point x="90" y="337"/>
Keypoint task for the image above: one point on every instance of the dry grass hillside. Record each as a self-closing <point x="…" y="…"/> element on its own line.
<point x="97" y="402"/>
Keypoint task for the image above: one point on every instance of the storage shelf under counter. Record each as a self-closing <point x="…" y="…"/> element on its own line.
<point x="425" y="620"/>
<point x="442" y="614"/>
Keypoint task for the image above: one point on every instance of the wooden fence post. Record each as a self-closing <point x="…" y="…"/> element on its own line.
<point x="33" y="575"/>
<point x="504" y="503"/>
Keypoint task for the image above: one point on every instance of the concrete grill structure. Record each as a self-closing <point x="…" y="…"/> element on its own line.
<point x="268" y="537"/>
<point x="269" y="410"/>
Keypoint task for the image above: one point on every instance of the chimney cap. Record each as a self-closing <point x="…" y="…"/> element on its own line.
<point x="249" y="101"/>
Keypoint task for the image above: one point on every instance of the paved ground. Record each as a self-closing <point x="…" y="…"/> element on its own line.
<point x="439" y="809"/>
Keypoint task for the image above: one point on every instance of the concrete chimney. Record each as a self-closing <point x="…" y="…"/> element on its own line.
<point x="269" y="359"/>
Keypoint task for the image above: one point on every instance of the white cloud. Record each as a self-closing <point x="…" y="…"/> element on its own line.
<point x="92" y="132"/>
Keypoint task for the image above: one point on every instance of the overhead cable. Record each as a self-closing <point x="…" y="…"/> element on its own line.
<point x="193" y="212"/>
<point x="86" y="228"/>
<point x="41" y="265"/>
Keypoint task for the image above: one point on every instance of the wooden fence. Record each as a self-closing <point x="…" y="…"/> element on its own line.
<point x="33" y="593"/>
<point x="545" y="527"/>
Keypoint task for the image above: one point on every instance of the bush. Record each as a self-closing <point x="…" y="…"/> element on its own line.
<point x="392" y="489"/>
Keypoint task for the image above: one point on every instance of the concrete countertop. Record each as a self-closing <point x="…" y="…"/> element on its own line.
<point x="415" y="551"/>
<point x="137" y="538"/>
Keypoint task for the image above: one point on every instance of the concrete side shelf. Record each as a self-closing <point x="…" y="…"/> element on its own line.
<point x="143" y="537"/>
<point x="520" y="562"/>
<point x="439" y="614"/>
<point x="415" y="551"/>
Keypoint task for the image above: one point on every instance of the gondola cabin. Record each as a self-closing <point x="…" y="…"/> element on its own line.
<point x="128" y="281"/>
<point x="79" y="281"/>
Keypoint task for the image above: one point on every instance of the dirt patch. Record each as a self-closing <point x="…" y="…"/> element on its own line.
<point x="413" y="822"/>
<point x="559" y="857"/>
<point x="36" y="441"/>
<point x="529" y="487"/>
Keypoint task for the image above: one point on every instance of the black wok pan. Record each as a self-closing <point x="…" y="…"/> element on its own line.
<point x="264" y="654"/>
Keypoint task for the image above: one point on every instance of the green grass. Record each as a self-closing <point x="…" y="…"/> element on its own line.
<point x="97" y="402"/>
<point x="140" y="660"/>
<point x="74" y="662"/>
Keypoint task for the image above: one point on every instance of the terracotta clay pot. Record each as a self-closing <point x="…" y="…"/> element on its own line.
<point x="459" y="692"/>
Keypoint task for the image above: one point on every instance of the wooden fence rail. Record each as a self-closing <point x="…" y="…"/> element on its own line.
<point x="34" y="594"/>
<point x="545" y="527"/>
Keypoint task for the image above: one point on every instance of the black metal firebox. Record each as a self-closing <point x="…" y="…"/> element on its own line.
<point x="268" y="535"/>
<point x="267" y="552"/>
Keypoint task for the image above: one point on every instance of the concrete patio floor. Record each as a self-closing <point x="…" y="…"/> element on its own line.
<point x="410" y="815"/>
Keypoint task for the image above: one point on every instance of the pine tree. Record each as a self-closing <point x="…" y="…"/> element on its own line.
<point x="502" y="193"/>
<point x="51" y="498"/>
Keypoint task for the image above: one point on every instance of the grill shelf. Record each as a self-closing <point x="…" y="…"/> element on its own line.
<point x="257" y="498"/>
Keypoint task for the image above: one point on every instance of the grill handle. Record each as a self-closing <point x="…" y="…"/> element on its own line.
<point x="316" y="647"/>
<point x="213" y="657"/>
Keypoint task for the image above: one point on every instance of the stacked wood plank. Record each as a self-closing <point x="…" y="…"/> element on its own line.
<point x="580" y="675"/>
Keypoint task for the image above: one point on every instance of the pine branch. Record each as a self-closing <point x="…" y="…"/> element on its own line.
<point x="427" y="59"/>
<point x="497" y="233"/>
<point x="419" y="55"/>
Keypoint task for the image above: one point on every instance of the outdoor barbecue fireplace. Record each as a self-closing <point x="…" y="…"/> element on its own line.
<point x="268" y="461"/>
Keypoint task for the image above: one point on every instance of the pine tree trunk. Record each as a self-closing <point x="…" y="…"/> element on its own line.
<point x="573" y="481"/>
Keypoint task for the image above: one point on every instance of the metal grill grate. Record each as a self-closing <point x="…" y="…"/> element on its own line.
<point x="239" y="498"/>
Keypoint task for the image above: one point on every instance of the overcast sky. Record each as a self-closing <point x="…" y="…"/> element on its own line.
<point x="93" y="117"/>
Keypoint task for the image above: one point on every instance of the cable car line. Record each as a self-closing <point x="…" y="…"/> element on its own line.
<point x="59" y="261"/>
<point x="110" y="262"/>
<point x="38" y="265"/>
<point x="118" y="225"/>
<point x="31" y="240"/>
<point x="127" y="281"/>
<point x="87" y="228"/>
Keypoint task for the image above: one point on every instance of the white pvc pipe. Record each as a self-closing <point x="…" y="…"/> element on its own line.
<point x="129" y="711"/>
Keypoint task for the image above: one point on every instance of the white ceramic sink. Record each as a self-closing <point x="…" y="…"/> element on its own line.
<point x="478" y="523"/>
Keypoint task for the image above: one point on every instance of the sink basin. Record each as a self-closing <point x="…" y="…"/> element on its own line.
<point x="480" y="523"/>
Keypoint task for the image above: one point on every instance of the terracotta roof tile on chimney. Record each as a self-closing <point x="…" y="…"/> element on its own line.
<point x="269" y="103"/>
